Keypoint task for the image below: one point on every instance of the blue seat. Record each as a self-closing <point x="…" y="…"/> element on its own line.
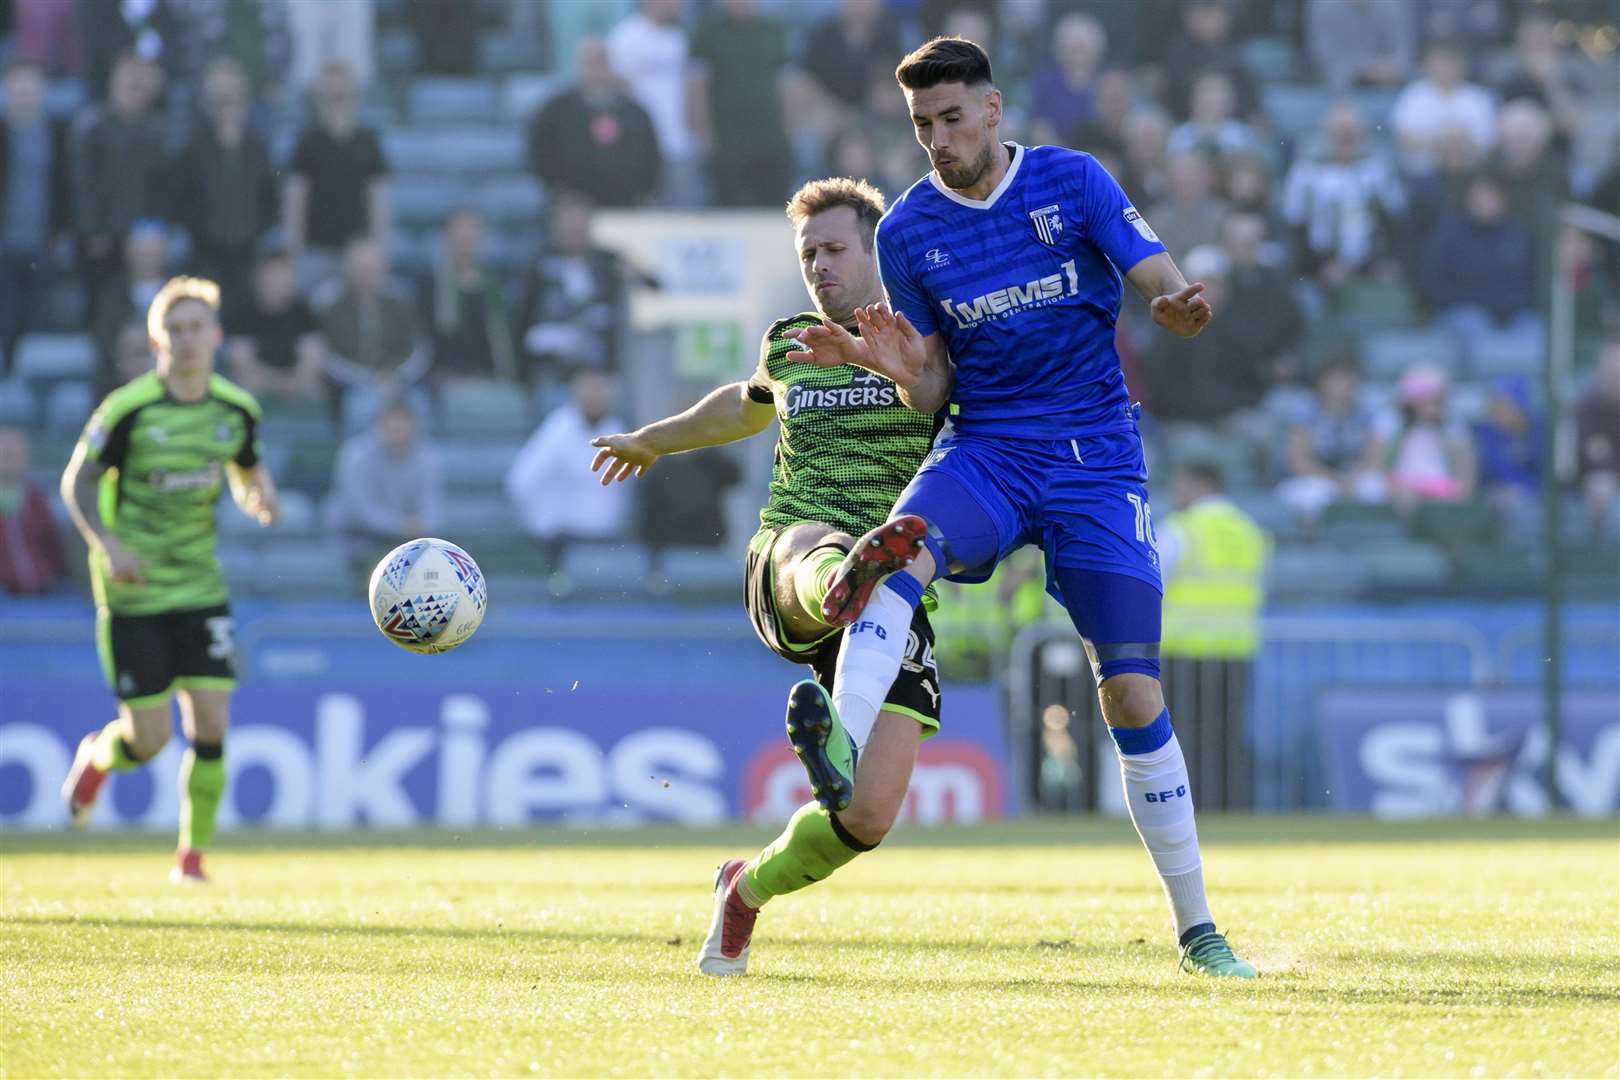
<point x="55" y="356"/>
<point x="17" y="403"/>
<point x="483" y="412"/>
<point x="445" y="100"/>
<point x="1496" y="355"/>
<point x="510" y="200"/>
<point x="1386" y="356"/>
<point x="461" y="150"/>
<point x="421" y="199"/>
<point x="1295" y="109"/>
<point x="526" y="93"/>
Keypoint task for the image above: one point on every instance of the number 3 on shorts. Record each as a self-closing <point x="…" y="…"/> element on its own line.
<point x="1144" y="521"/>
<point x="221" y="646"/>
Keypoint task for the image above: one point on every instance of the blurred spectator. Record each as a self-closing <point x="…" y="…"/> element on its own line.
<point x="387" y="487"/>
<point x="48" y="35"/>
<point x="30" y="549"/>
<point x="108" y="31"/>
<point x="1147" y="167"/>
<point x="1507" y="445"/>
<point x="1355" y="43"/>
<point x="325" y="34"/>
<point x="649" y="51"/>
<point x="847" y="61"/>
<point x="1205" y="42"/>
<point x="1472" y="24"/>
<point x="1104" y="130"/>
<point x="1262" y="293"/>
<point x="472" y="329"/>
<point x="224" y="188"/>
<point x="1597" y="296"/>
<point x="1063" y="93"/>
<point x="1221" y="372"/>
<point x="1432" y="196"/>
<point x="131" y="356"/>
<point x="594" y="138"/>
<point x="257" y="36"/>
<point x="1246" y="186"/>
<point x="1190" y="214"/>
<point x="557" y="500"/>
<point x="118" y="166"/>
<point x="125" y="296"/>
<point x="572" y="297"/>
<point x="1334" y="451"/>
<point x="1430" y="456"/>
<point x="682" y="502"/>
<point x="1442" y="100"/>
<point x="338" y="187"/>
<point x="34" y="198"/>
<point x="1535" y="176"/>
<point x="373" y="342"/>
<point x="1343" y="204"/>
<point x="1476" y="271"/>
<point x="446" y="35"/>
<point x="1212" y="129"/>
<point x="272" y="345"/>
<point x="855" y="151"/>
<point x="1597" y="446"/>
<point x="738" y="61"/>
<point x="1544" y="72"/>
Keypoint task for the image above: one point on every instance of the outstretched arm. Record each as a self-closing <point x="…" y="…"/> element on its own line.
<point x="725" y="415"/>
<point x="1176" y="305"/>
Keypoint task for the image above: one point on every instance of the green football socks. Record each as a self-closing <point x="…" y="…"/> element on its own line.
<point x="814" y="577"/>
<point x="809" y="849"/>
<point x="202" y="782"/>
<point x="112" y="752"/>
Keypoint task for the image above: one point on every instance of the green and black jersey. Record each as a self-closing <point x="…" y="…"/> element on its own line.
<point x="848" y="446"/>
<point x="165" y="471"/>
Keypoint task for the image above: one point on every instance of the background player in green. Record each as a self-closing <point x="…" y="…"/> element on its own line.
<point x="848" y="446"/>
<point x="141" y="487"/>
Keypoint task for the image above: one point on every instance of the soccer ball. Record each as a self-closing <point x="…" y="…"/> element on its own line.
<point x="428" y="595"/>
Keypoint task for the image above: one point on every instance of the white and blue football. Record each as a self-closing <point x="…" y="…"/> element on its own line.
<point x="428" y="595"/>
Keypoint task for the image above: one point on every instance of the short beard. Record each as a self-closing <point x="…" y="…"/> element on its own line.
<point x="982" y="168"/>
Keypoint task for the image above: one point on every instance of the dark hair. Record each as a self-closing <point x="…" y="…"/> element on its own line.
<point x="1205" y="472"/>
<point x="944" y="60"/>
<point x="835" y="191"/>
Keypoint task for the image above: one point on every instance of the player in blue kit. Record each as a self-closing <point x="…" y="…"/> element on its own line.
<point x="1003" y="268"/>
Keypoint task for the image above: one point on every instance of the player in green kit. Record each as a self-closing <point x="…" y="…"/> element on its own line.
<point x="848" y="446"/>
<point x="141" y="487"/>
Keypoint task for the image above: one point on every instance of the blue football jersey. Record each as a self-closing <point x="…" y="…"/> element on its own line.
<point x="1025" y="285"/>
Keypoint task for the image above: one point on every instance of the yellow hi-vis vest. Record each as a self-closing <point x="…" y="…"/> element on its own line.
<point x="1212" y="598"/>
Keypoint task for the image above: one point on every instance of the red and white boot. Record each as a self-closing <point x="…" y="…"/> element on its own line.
<point x="187" y="869"/>
<point x="725" y="949"/>
<point x="83" y="782"/>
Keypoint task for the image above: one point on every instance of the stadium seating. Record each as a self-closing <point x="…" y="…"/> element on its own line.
<point x="482" y="411"/>
<point x="453" y="101"/>
<point x="17" y="403"/>
<point x="1403" y="568"/>
<point x="55" y="356"/>
<point x="1350" y="522"/>
<point x="523" y="94"/>
<point x="1496" y="355"/>
<point x="1314" y="572"/>
<point x="67" y="404"/>
<point x="1295" y="109"/>
<point x="1386" y="356"/>
<point x="474" y="468"/>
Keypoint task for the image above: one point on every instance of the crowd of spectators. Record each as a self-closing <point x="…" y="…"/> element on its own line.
<point x="245" y="141"/>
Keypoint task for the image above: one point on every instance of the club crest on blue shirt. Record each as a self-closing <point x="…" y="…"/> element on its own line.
<point x="1048" y="223"/>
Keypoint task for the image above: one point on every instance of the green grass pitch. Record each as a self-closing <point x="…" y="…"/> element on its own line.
<point x="1032" y="948"/>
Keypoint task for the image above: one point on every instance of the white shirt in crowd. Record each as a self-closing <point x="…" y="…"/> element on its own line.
<point x="1425" y="113"/>
<point x="652" y="60"/>
<point x="553" y="491"/>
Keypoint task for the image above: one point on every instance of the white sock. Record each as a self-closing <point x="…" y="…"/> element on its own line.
<point x="870" y="657"/>
<point x="1159" y="795"/>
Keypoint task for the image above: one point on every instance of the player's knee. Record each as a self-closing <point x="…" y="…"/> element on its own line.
<point x="146" y="742"/>
<point x="1130" y="700"/>
<point x="868" y="821"/>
